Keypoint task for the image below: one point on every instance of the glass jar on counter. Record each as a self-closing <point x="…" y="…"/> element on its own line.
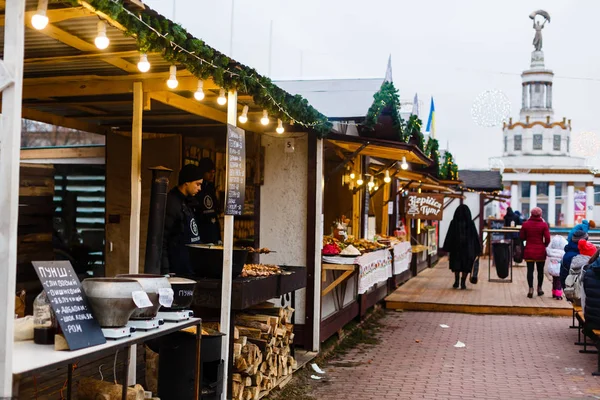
<point x="44" y="320"/>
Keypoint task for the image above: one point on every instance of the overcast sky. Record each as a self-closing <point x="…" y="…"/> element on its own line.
<point x="451" y="50"/>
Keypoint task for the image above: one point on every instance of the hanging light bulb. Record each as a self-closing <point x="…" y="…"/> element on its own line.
<point x="404" y="164"/>
<point x="199" y="93"/>
<point x="265" y="118"/>
<point x="387" y="178"/>
<point x="39" y="20"/>
<point x="244" y="117"/>
<point x="371" y="183"/>
<point x="360" y="181"/>
<point x="279" y="129"/>
<point x="222" y="100"/>
<point x="376" y="188"/>
<point x="101" y="40"/>
<point x="172" y="82"/>
<point x="352" y="175"/>
<point x="143" y="64"/>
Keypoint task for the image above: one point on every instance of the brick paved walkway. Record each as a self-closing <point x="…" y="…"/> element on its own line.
<point x="506" y="357"/>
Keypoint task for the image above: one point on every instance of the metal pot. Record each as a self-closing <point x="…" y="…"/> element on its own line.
<point x="111" y="299"/>
<point x="183" y="292"/>
<point x="150" y="284"/>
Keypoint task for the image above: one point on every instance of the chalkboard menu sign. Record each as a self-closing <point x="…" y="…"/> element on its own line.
<point x="497" y="224"/>
<point x="236" y="171"/>
<point x="69" y="303"/>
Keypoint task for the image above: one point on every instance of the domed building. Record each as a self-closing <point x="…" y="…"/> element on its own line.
<point x="538" y="167"/>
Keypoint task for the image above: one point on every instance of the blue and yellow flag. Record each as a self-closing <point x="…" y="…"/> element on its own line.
<point x="431" y="120"/>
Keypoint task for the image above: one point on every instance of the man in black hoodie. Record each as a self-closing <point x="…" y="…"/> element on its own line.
<point x="181" y="228"/>
<point x="206" y="210"/>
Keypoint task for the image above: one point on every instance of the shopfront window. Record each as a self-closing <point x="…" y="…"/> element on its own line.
<point x="597" y="194"/>
<point x="525" y="210"/>
<point x="525" y="189"/>
<point x="559" y="217"/>
<point x="505" y="144"/>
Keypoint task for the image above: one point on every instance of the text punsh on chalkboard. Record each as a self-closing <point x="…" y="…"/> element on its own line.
<point x="69" y="304"/>
<point x="236" y="171"/>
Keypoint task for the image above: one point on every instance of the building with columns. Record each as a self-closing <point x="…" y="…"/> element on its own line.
<point x="539" y="170"/>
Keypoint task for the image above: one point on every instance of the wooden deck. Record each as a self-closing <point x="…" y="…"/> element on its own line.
<point x="432" y="290"/>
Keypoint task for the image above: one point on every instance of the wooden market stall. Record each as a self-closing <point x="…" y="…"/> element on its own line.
<point x="173" y="113"/>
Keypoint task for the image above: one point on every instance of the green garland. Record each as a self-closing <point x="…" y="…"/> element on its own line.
<point x="413" y="132"/>
<point x="449" y="170"/>
<point x="225" y="72"/>
<point x="432" y="150"/>
<point x="386" y="100"/>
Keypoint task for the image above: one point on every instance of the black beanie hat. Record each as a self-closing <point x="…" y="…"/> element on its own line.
<point x="206" y="165"/>
<point x="189" y="173"/>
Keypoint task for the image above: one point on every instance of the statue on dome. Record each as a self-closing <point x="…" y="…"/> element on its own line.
<point x="537" y="39"/>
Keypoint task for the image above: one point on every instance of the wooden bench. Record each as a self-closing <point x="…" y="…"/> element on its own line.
<point x="594" y="335"/>
<point x="576" y="309"/>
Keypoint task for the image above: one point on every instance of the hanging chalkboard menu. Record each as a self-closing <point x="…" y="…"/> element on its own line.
<point x="236" y="171"/>
<point x="497" y="224"/>
<point x="69" y="303"/>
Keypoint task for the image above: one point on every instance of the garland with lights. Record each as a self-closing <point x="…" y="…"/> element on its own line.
<point x="386" y="102"/>
<point x="432" y="151"/>
<point x="155" y="33"/>
<point x="449" y="169"/>
<point x="413" y="131"/>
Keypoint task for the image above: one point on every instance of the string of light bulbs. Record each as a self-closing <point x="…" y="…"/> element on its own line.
<point x="202" y="60"/>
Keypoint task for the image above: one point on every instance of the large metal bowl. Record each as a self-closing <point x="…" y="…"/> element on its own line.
<point x="150" y="284"/>
<point x="183" y="292"/>
<point x="111" y="299"/>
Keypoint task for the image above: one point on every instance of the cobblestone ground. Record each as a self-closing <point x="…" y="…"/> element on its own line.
<point x="506" y="357"/>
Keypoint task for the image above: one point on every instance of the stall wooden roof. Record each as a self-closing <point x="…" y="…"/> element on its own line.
<point x="379" y="148"/>
<point x="69" y="82"/>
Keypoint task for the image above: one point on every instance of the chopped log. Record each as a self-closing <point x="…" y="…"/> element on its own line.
<point x="237" y="390"/>
<point x="237" y="350"/>
<point x="242" y="340"/>
<point x="240" y="364"/>
<point x="257" y="378"/>
<point x="265" y="328"/>
<point x="236" y="333"/>
<point x="280" y="332"/>
<point x="266" y="304"/>
<point x="254" y="392"/>
<point x="89" y="389"/>
<point x="236" y="378"/>
<point x="249" y="332"/>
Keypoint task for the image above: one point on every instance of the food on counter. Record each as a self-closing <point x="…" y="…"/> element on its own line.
<point x="263" y="250"/>
<point x="350" y="251"/>
<point x="331" y="249"/>
<point x="365" y="246"/>
<point x="260" y="270"/>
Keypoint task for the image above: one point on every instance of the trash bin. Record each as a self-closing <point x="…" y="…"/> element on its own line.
<point x="501" y="254"/>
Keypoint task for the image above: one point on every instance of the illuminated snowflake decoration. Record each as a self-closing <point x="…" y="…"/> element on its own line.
<point x="587" y="144"/>
<point x="496" y="164"/>
<point x="491" y="108"/>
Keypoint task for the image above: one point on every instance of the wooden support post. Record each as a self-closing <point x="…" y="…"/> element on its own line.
<point x="227" y="262"/>
<point x="136" y="203"/>
<point x="11" y="84"/>
<point x="385" y="217"/>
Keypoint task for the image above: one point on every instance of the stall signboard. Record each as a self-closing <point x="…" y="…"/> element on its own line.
<point x="496" y="224"/>
<point x="69" y="303"/>
<point x="236" y="171"/>
<point x="425" y="206"/>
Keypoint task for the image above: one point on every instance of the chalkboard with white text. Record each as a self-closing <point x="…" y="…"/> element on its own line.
<point x="236" y="171"/>
<point x="69" y="303"/>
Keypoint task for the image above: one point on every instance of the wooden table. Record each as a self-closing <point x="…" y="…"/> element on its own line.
<point x="349" y="270"/>
<point x="29" y="357"/>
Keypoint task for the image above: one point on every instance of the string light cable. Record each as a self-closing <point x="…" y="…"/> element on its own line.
<point x="226" y="71"/>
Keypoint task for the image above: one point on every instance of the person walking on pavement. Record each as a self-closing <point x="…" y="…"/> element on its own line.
<point x="181" y="228"/>
<point x="536" y="234"/>
<point x="206" y="210"/>
<point x="462" y="242"/>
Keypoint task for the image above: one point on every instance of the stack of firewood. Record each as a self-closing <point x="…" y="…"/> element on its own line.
<point x="261" y="352"/>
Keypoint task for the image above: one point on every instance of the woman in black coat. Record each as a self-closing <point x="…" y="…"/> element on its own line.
<point x="462" y="242"/>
